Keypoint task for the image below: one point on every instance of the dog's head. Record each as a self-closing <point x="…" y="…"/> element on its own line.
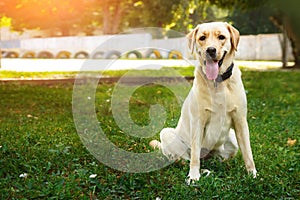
<point x="213" y="42"/>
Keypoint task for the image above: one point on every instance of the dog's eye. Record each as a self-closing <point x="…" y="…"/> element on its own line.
<point x="202" y="38"/>
<point x="221" y="37"/>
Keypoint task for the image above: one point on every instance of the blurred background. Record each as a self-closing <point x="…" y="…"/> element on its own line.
<point x="26" y="19"/>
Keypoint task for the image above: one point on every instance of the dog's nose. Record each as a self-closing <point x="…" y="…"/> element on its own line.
<point x="211" y="51"/>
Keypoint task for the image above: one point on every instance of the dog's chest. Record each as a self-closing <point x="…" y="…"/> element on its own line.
<point x="217" y="120"/>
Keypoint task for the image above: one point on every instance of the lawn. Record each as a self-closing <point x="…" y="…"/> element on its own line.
<point x="42" y="156"/>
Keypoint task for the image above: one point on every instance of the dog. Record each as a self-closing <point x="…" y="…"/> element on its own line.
<point x="213" y="119"/>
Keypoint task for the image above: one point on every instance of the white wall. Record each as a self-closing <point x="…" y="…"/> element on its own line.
<point x="261" y="47"/>
<point x="251" y="47"/>
<point x="89" y="44"/>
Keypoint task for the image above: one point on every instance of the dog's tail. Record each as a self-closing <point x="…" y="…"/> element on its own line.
<point x="155" y="144"/>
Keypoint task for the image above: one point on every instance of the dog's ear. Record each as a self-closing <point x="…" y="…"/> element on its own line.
<point x="234" y="36"/>
<point x="191" y="36"/>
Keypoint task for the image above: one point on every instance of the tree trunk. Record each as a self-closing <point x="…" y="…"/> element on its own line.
<point x="284" y="24"/>
<point x="290" y="30"/>
<point x="284" y="43"/>
<point x="117" y="19"/>
<point x="65" y="31"/>
<point x="284" y="49"/>
<point x="296" y="47"/>
<point x="106" y="18"/>
<point x="112" y="15"/>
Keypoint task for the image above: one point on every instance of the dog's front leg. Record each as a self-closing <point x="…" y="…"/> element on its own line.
<point x="194" y="173"/>
<point x="243" y="138"/>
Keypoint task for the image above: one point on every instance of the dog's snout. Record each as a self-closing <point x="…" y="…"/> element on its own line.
<point x="211" y="51"/>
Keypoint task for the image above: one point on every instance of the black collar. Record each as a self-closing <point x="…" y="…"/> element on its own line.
<point x="225" y="75"/>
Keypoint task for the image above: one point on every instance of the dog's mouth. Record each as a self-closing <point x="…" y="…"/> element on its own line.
<point x="212" y="67"/>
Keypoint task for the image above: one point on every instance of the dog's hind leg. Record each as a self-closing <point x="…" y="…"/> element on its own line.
<point x="171" y="145"/>
<point x="229" y="148"/>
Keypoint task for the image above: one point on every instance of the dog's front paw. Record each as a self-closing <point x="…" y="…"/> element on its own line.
<point x="253" y="173"/>
<point x="194" y="175"/>
<point x="191" y="181"/>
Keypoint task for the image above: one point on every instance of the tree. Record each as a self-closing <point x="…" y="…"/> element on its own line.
<point x="178" y="15"/>
<point x="113" y="16"/>
<point x="43" y="14"/>
<point x="109" y="13"/>
<point x="150" y="13"/>
<point x="253" y="21"/>
<point x="287" y="18"/>
<point x="187" y="14"/>
<point x="284" y="14"/>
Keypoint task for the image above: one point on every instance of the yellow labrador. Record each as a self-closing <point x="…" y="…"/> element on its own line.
<point x="213" y="118"/>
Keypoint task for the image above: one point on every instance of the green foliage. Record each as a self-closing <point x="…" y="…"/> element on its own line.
<point x="164" y="71"/>
<point x="5" y="22"/>
<point x="290" y="10"/>
<point x="148" y="13"/>
<point x="38" y="137"/>
<point x="253" y="21"/>
<point x="118" y="15"/>
<point x="188" y="14"/>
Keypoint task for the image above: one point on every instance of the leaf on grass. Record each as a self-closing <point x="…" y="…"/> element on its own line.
<point x="93" y="176"/>
<point x="31" y="116"/>
<point x="24" y="175"/>
<point x="291" y="142"/>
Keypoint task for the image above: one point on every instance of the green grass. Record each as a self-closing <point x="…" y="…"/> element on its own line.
<point x="38" y="137"/>
<point x="165" y="71"/>
<point x="15" y="74"/>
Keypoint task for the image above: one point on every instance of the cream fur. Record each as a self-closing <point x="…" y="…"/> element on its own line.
<point x="213" y="119"/>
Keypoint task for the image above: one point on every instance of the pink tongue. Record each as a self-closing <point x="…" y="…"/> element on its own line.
<point x="212" y="69"/>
